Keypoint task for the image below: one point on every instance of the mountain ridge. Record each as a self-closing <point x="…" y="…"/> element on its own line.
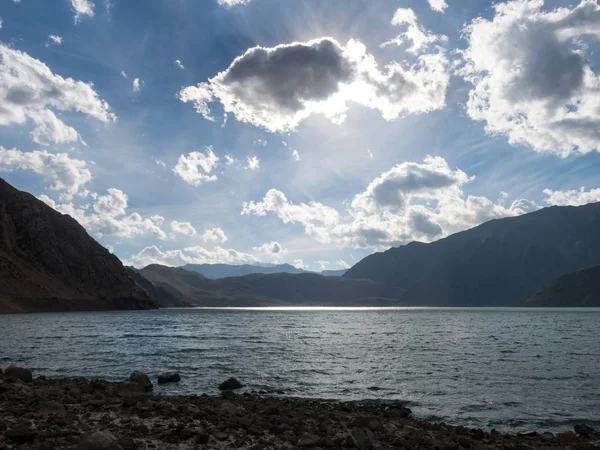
<point x="217" y="271"/>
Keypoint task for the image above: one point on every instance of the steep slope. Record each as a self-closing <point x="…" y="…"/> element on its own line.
<point x="216" y="271"/>
<point x="499" y="263"/>
<point x="49" y="263"/>
<point x="271" y="289"/>
<point x="580" y="288"/>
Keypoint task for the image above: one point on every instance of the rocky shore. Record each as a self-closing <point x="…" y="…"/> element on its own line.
<point x="77" y="413"/>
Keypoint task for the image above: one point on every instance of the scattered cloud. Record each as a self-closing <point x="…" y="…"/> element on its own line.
<point x="214" y="235"/>
<point x="28" y="89"/>
<point x="532" y="77"/>
<point x="191" y="255"/>
<point x="341" y="264"/>
<point x="62" y="172"/>
<point x="233" y="2"/>
<point x="572" y="197"/>
<point x="184" y="228"/>
<point x="195" y="168"/>
<point x="108" y="216"/>
<point x="421" y="38"/>
<point x="253" y="163"/>
<point x="271" y="248"/>
<point x="123" y="74"/>
<point x="299" y="264"/>
<point x="370" y="153"/>
<point x="179" y="64"/>
<point x="54" y="40"/>
<point x="229" y="160"/>
<point x="438" y="5"/>
<point x="82" y="8"/>
<point x="160" y="162"/>
<point x="412" y="201"/>
<point x="277" y="88"/>
<point x="295" y="155"/>
<point x="136" y="85"/>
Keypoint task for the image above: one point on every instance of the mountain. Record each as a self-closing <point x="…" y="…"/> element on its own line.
<point x="281" y="289"/>
<point x="499" y="263"/>
<point x="216" y="271"/>
<point x="580" y="288"/>
<point x="161" y="297"/>
<point x="48" y="262"/>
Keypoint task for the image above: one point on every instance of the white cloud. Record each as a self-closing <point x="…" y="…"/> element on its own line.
<point x="341" y="264"/>
<point x="179" y="64"/>
<point x="160" y="162"/>
<point x="411" y="201"/>
<point x="253" y="163"/>
<point x="123" y="74"/>
<point x="108" y="216"/>
<point x="184" y="228"/>
<point x="370" y="153"/>
<point x="195" y="168"/>
<point x="191" y="255"/>
<point x="299" y="264"/>
<point x="28" y="88"/>
<point x="233" y="2"/>
<point x="572" y="197"/>
<point x="270" y="248"/>
<point x="323" y="264"/>
<point x="1" y="23"/>
<point x="214" y="235"/>
<point x="64" y="173"/>
<point x="277" y="88"/>
<point x="532" y="77"/>
<point x="54" y="40"/>
<point x="296" y="155"/>
<point x="82" y="8"/>
<point x="136" y="85"/>
<point x="229" y="160"/>
<point x="438" y="5"/>
<point x="49" y="129"/>
<point x="421" y="38"/>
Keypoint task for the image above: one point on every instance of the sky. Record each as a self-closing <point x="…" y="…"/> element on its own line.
<point x="309" y="132"/>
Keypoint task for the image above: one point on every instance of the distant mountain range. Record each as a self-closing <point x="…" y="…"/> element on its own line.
<point x="500" y="263"/>
<point x="216" y="271"/>
<point x="280" y="289"/>
<point x="550" y="257"/>
<point x="48" y="262"/>
<point x="580" y="288"/>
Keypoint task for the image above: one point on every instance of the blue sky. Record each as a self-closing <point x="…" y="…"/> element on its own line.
<point x="351" y="126"/>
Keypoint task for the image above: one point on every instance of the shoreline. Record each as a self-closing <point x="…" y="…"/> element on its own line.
<point x="72" y="413"/>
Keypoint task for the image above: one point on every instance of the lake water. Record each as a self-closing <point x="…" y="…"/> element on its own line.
<point x="510" y="369"/>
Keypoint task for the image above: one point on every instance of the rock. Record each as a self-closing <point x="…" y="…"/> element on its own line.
<point x="51" y="408"/>
<point x="230" y="385"/>
<point x="100" y="440"/>
<point x="202" y="438"/>
<point x="228" y="395"/>
<point x="127" y="388"/>
<point x="20" y="373"/>
<point x="169" y="377"/>
<point x="220" y="436"/>
<point x="21" y="433"/>
<point x="308" y="440"/>
<point x="464" y="442"/>
<point x="569" y="436"/>
<point x="584" y="430"/>
<point x="141" y="379"/>
<point x="127" y="443"/>
<point x="360" y="439"/>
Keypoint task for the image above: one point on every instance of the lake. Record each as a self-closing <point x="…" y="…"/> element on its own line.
<point x="509" y="369"/>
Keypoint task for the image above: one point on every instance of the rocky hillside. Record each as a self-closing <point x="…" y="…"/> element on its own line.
<point x="499" y="263"/>
<point x="271" y="289"/>
<point x="216" y="271"/>
<point x="48" y="262"/>
<point x="580" y="288"/>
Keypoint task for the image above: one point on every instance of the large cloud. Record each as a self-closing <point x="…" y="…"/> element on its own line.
<point x="28" y="88"/>
<point x="185" y="228"/>
<point x="108" y="216"/>
<point x="191" y="255"/>
<point x="572" y="197"/>
<point x="62" y="172"/>
<point x="532" y="77"/>
<point x="412" y="201"/>
<point x="195" y="168"/>
<point x="276" y="88"/>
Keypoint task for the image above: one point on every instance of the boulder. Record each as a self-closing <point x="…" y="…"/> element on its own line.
<point x="100" y="440"/>
<point x="141" y="379"/>
<point x="308" y="440"/>
<point x="168" y="377"/>
<point x="584" y="430"/>
<point x="230" y="385"/>
<point x="20" y="373"/>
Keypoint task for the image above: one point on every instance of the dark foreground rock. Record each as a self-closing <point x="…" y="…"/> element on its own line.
<point x="169" y="377"/>
<point x="230" y="385"/>
<point x="75" y="413"/>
